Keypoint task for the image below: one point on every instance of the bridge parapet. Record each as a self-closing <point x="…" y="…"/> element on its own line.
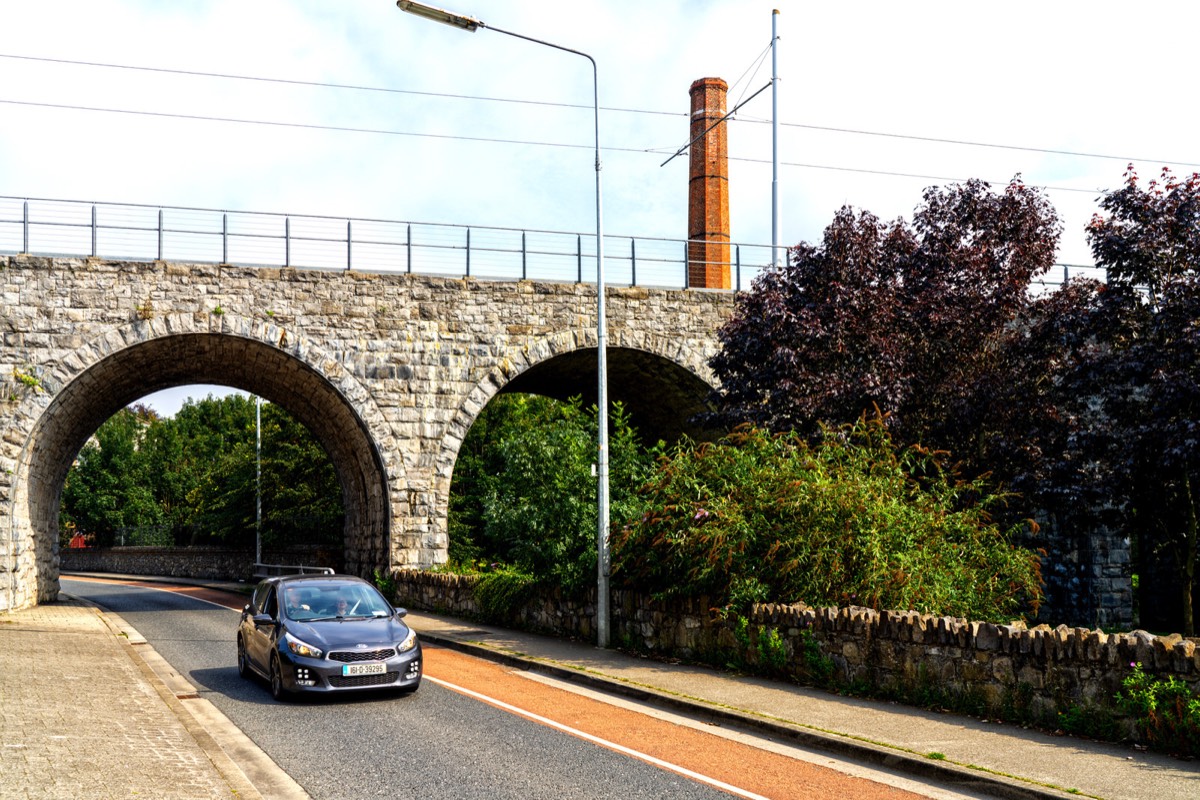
<point x="134" y="232"/>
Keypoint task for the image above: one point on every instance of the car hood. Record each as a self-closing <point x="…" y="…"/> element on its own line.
<point x="348" y="633"/>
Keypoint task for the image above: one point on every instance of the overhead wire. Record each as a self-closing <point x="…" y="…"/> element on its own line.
<point x="730" y="116"/>
<point x="306" y="125"/>
<point x="755" y="66"/>
<point x="326" y="85"/>
<point x="486" y="139"/>
<point x="480" y="98"/>
<point x="743" y="100"/>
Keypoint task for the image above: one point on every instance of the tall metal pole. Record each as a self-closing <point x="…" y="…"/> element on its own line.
<point x="603" y="612"/>
<point x="257" y="480"/>
<point x="775" y="138"/>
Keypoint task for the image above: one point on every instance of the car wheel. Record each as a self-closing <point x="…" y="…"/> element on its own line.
<point x="277" y="690"/>
<point x="243" y="659"/>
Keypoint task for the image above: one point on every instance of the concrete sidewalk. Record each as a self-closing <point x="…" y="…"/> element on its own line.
<point x="1001" y="760"/>
<point x="88" y="711"/>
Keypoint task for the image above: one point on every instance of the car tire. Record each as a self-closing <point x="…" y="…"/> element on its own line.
<point x="277" y="690"/>
<point x="243" y="659"/>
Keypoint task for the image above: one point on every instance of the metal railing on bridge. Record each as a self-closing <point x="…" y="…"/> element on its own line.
<point x="131" y="232"/>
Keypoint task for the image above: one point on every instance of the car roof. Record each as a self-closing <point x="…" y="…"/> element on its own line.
<point x="299" y="580"/>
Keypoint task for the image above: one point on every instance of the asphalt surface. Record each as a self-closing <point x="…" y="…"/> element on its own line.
<point x="980" y="757"/>
<point x="434" y="743"/>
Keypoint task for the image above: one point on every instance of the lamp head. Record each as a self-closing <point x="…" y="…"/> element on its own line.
<point x="440" y="15"/>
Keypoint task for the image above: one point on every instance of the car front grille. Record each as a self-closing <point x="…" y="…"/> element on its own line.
<point x="354" y="656"/>
<point x="361" y="681"/>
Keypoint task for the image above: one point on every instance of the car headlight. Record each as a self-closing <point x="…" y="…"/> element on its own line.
<point x="301" y="648"/>
<point x="410" y="641"/>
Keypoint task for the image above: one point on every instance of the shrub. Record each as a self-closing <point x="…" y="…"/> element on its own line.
<point x="501" y="593"/>
<point x="851" y="520"/>
<point x="1166" y="712"/>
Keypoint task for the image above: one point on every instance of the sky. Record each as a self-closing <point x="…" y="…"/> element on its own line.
<point x="485" y="129"/>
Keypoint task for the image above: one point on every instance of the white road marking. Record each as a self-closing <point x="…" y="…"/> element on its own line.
<point x="649" y="759"/>
<point x="854" y="769"/>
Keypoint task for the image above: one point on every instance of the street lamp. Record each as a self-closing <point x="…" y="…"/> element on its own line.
<point x="602" y="593"/>
<point x="257" y="481"/>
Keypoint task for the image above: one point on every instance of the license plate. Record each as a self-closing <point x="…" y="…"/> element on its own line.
<point x="363" y="669"/>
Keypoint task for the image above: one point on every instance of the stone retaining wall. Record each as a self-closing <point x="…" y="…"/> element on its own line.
<point x="188" y="562"/>
<point x="1045" y="670"/>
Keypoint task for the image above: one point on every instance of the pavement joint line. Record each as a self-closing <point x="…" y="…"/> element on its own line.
<point x="955" y="774"/>
<point x="217" y="737"/>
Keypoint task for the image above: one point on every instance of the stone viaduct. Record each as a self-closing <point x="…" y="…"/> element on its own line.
<point x="387" y="370"/>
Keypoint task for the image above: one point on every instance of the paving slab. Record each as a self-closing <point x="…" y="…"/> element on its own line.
<point x="80" y="718"/>
<point x="85" y="715"/>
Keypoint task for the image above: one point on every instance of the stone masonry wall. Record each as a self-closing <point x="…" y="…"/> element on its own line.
<point x="1050" y="668"/>
<point x="213" y="563"/>
<point x="388" y="371"/>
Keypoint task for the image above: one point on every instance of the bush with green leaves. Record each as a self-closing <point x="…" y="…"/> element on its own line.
<point x="501" y="593"/>
<point x="853" y="519"/>
<point x="1166" y="712"/>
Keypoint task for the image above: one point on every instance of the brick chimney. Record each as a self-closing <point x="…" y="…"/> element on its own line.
<point x="708" y="189"/>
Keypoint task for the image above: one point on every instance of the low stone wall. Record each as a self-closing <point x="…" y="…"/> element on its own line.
<point x="1042" y="670"/>
<point x="447" y="593"/>
<point x="212" y="563"/>
<point x="1045" y="670"/>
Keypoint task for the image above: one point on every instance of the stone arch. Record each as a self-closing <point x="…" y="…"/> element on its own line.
<point x="83" y="388"/>
<point x="641" y="357"/>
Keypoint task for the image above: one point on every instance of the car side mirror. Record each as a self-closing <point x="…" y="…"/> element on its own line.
<point x="263" y="619"/>
<point x="401" y="612"/>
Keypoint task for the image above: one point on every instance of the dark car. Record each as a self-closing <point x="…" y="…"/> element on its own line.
<point x="326" y="633"/>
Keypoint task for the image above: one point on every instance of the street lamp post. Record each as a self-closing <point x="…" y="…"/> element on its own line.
<point x="602" y="512"/>
<point x="257" y="481"/>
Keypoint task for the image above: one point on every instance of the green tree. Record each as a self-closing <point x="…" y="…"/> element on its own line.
<point x="300" y="482"/>
<point x="851" y="519"/>
<point x="301" y="497"/>
<point x="106" y="490"/>
<point x="524" y="493"/>
<point x="478" y="461"/>
<point x="195" y="473"/>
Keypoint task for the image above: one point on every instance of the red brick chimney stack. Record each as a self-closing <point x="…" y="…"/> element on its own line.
<point x="708" y="189"/>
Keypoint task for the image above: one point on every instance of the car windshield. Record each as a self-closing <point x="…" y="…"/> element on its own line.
<point x="308" y="602"/>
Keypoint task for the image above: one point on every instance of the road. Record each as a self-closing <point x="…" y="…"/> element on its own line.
<point x="474" y="729"/>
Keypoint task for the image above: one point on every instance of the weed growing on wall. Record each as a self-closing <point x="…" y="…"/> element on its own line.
<point x="762" y="651"/>
<point x="501" y="593"/>
<point x="1166" y="712"/>
<point x="386" y="583"/>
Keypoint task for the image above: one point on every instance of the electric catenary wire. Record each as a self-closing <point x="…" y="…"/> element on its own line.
<point x="493" y="140"/>
<point x="825" y="128"/>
